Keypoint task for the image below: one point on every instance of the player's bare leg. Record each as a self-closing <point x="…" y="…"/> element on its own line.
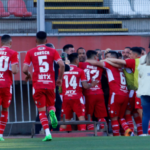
<point x="44" y="122"/>
<point x="82" y="127"/>
<point x="3" y="122"/>
<point x="140" y="112"/>
<point x="115" y="126"/>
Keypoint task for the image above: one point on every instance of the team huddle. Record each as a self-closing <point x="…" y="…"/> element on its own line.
<point x="82" y="90"/>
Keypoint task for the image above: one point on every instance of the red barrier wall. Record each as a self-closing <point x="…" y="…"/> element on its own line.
<point x="88" y="42"/>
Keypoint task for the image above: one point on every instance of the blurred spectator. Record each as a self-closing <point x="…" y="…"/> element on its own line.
<point x="143" y="51"/>
<point x="125" y="53"/>
<point x="99" y="54"/>
<point x="69" y="49"/>
<point x="143" y="91"/>
<point x="81" y="54"/>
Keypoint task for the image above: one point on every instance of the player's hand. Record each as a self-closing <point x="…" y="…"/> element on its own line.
<point x="28" y="77"/>
<point x="59" y="82"/>
<point x="94" y="83"/>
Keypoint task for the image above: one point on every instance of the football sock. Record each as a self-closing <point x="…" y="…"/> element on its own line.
<point x="123" y="124"/>
<point x="51" y="108"/>
<point x="149" y="129"/>
<point x="90" y="126"/>
<point x="102" y="120"/>
<point x="3" y="121"/>
<point x="138" y="122"/>
<point x="81" y="127"/>
<point x="129" y="121"/>
<point x="44" y="122"/>
<point x="115" y="127"/>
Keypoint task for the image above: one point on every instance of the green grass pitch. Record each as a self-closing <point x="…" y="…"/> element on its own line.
<point x="86" y="143"/>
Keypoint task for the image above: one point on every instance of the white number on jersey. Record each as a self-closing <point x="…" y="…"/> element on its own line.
<point x="93" y="72"/>
<point x="44" y="66"/>
<point x="4" y="63"/>
<point x="123" y="79"/>
<point x="73" y="81"/>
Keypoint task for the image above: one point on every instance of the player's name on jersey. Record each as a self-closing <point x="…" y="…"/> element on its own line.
<point x="3" y="53"/>
<point x="44" y="76"/>
<point x="73" y="72"/>
<point x="91" y="67"/>
<point x="41" y="53"/>
<point x="70" y="92"/>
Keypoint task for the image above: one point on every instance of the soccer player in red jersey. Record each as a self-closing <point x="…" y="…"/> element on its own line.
<point x="134" y="106"/>
<point x="73" y="81"/>
<point x="118" y="95"/>
<point x="8" y="66"/>
<point x="42" y="59"/>
<point x="95" y="103"/>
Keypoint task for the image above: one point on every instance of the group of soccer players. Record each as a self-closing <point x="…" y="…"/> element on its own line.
<point x="81" y="85"/>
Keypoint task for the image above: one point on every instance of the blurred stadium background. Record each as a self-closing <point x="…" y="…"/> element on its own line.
<point x="92" y="24"/>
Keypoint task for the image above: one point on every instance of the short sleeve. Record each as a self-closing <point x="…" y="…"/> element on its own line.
<point x="27" y="59"/>
<point x="56" y="56"/>
<point x="130" y="63"/>
<point x="107" y="65"/>
<point x="83" y="77"/>
<point x="14" y="58"/>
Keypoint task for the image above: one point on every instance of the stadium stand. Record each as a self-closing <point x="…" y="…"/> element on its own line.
<point x="2" y="11"/>
<point x="18" y="8"/>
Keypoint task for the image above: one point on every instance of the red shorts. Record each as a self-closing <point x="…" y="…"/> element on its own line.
<point x="44" y="97"/>
<point x="95" y="104"/>
<point x="5" y="96"/>
<point x="73" y="105"/>
<point x="134" y="101"/>
<point x="117" y="105"/>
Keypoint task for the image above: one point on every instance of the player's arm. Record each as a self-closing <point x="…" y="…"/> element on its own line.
<point x="61" y="68"/>
<point x="96" y="63"/>
<point x="14" y="63"/>
<point x="113" y="64"/>
<point x="116" y="61"/>
<point x="89" y="85"/>
<point x="26" y="64"/>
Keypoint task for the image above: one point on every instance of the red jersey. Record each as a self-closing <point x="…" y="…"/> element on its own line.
<point x="130" y="63"/>
<point x="95" y="73"/>
<point x="71" y="86"/>
<point x="8" y="57"/>
<point x="116" y="80"/>
<point x="42" y="59"/>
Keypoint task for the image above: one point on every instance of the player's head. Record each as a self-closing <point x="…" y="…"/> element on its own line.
<point x="69" y="49"/>
<point x="143" y="51"/>
<point x="99" y="53"/>
<point x="41" y="37"/>
<point x="91" y="55"/>
<point x="119" y="55"/>
<point x="6" y="40"/>
<point x="74" y="59"/>
<point x="135" y="52"/>
<point x="81" y="54"/>
<point x="125" y="53"/>
<point x="111" y="54"/>
<point x="50" y="45"/>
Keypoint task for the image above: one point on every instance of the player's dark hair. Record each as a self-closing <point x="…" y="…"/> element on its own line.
<point x="41" y="36"/>
<point x="79" y="48"/>
<point x="119" y="54"/>
<point x="72" y="57"/>
<point x="50" y="45"/>
<point x="66" y="47"/>
<point x="90" y="53"/>
<point x="142" y="48"/>
<point x="97" y="50"/>
<point x="136" y="50"/>
<point x="127" y="47"/>
<point x="114" y="54"/>
<point x="5" y="38"/>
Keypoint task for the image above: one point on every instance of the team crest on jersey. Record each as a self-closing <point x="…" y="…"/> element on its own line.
<point x="128" y="70"/>
<point x="2" y="49"/>
<point x="41" y="48"/>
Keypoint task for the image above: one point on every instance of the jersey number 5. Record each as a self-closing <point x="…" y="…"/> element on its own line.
<point x="4" y="63"/>
<point x="44" y="66"/>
